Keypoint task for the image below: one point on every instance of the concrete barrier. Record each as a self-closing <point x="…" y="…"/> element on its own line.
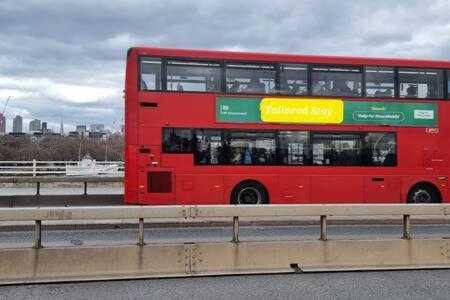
<point x="42" y="264"/>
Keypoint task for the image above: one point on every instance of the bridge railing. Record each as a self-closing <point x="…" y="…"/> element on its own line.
<point x="46" y="168"/>
<point x="61" y="179"/>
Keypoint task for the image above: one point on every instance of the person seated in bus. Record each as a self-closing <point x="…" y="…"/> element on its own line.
<point x="235" y="86"/>
<point x="255" y="86"/>
<point x="340" y="87"/>
<point x="318" y="89"/>
<point x="432" y="91"/>
<point x="203" y="148"/>
<point x="261" y="156"/>
<point x="247" y="156"/>
<point x="411" y="91"/>
<point x="180" y="87"/>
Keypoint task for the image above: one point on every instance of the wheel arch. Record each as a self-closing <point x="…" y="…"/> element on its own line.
<point x="427" y="184"/>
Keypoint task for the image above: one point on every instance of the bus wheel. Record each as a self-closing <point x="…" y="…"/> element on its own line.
<point x="249" y="193"/>
<point x="423" y="193"/>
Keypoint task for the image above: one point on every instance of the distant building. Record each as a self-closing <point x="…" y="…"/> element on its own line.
<point x="2" y="124"/>
<point x="18" y="124"/>
<point x="81" y="128"/>
<point x="35" y="125"/>
<point x="61" y="129"/>
<point x="17" y="134"/>
<point x="122" y="129"/>
<point x="96" y="135"/>
<point x="44" y="126"/>
<point x="74" y="134"/>
<point x="97" y="128"/>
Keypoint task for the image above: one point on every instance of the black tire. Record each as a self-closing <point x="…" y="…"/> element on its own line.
<point x="423" y="193"/>
<point x="249" y="193"/>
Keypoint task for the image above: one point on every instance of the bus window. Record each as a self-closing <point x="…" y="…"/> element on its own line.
<point x="251" y="148"/>
<point x="150" y="78"/>
<point x="250" y="78"/>
<point x="448" y="84"/>
<point x="208" y="149"/>
<point x="193" y="76"/>
<point x="336" y="149"/>
<point x="380" y="149"/>
<point x="336" y="81"/>
<point x="380" y="82"/>
<point x="420" y="83"/>
<point x="293" y="79"/>
<point x="293" y="147"/>
<point x="177" y="140"/>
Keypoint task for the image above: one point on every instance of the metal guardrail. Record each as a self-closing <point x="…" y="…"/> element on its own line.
<point x="44" y="168"/>
<point x="207" y="211"/>
<point x="61" y="179"/>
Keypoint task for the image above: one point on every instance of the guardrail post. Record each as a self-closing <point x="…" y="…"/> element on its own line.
<point x="323" y="228"/>
<point x="34" y="168"/>
<point x="38" y="234"/>
<point x="141" y="232"/>
<point x="406" y="227"/>
<point x="85" y="188"/>
<point x="38" y="188"/>
<point x="235" y="230"/>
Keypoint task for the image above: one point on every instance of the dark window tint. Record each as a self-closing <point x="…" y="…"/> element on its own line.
<point x="250" y="78"/>
<point x="176" y="140"/>
<point x="208" y="147"/>
<point x="380" y="82"/>
<point x="150" y="78"/>
<point x="293" y="147"/>
<point x="336" y="81"/>
<point x="380" y="149"/>
<point x="293" y="79"/>
<point x="251" y="148"/>
<point x="420" y="83"/>
<point x="336" y="149"/>
<point x="448" y="84"/>
<point x="193" y="76"/>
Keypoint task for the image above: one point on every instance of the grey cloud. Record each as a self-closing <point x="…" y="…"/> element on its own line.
<point x="84" y="43"/>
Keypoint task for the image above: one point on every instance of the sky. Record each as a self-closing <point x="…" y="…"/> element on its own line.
<point x="65" y="60"/>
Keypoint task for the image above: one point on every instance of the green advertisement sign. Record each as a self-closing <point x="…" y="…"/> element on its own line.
<point x="324" y="111"/>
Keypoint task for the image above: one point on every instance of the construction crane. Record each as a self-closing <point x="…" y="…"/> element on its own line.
<point x="2" y="119"/>
<point x="6" y="104"/>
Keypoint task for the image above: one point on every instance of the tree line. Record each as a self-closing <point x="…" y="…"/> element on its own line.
<point x="60" y="148"/>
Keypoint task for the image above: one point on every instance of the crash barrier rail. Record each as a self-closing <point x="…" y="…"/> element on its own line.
<point x="45" y="168"/>
<point x="42" y="264"/>
<point x="61" y="179"/>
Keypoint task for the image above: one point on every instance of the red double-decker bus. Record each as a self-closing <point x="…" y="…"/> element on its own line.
<point x="213" y="127"/>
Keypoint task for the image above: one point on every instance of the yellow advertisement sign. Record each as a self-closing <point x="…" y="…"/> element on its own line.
<point x="284" y="110"/>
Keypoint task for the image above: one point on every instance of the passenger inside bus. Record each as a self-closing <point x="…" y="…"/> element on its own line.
<point x="255" y="86"/>
<point x="340" y="87"/>
<point x="411" y="91"/>
<point x="235" y="87"/>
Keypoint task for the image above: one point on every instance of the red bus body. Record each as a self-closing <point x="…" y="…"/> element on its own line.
<point x="423" y="152"/>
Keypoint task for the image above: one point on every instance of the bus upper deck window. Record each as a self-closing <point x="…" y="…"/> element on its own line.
<point x="150" y="78"/>
<point x="380" y="82"/>
<point x="420" y="83"/>
<point x="336" y="81"/>
<point x="293" y="79"/>
<point x="193" y="76"/>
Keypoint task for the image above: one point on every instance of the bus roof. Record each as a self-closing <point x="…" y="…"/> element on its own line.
<point x="294" y="58"/>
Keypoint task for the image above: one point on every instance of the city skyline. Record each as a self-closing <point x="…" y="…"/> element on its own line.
<point x="35" y="125"/>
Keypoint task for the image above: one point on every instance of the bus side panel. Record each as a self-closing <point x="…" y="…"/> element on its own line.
<point x="199" y="189"/>
<point x="131" y="172"/>
<point x="382" y="189"/>
<point x="337" y="189"/>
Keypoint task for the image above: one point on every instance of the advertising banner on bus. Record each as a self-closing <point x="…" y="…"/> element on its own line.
<point x="324" y="111"/>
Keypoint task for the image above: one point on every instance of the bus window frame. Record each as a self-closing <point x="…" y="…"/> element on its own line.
<point x="310" y="66"/>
